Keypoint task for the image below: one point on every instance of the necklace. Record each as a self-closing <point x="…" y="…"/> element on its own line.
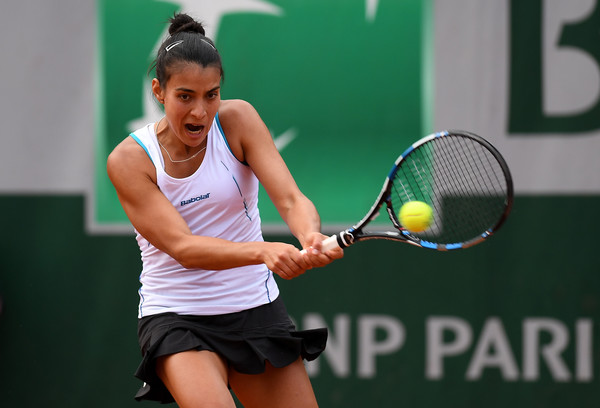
<point x="166" y="151"/>
<point x="184" y="160"/>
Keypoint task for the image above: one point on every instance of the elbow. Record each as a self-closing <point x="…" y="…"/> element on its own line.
<point x="186" y="263"/>
<point x="183" y="255"/>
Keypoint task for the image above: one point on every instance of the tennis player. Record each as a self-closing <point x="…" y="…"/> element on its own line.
<point x="210" y="315"/>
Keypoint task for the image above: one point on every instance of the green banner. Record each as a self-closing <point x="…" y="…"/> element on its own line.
<point x="343" y="87"/>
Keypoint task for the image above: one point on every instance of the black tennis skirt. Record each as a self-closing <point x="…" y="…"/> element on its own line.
<point x="244" y="339"/>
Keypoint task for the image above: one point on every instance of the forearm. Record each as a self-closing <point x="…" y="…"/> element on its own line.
<point x="304" y="222"/>
<point x="215" y="253"/>
<point x="302" y="219"/>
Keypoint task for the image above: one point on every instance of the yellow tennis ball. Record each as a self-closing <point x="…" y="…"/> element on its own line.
<point x="416" y="216"/>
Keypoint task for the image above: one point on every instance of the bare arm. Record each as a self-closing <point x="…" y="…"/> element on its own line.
<point x="251" y="141"/>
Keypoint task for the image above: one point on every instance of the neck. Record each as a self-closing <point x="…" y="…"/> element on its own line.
<point x="173" y="151"/>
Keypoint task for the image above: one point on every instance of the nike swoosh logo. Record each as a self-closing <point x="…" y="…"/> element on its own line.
<point x="285" y="138"/>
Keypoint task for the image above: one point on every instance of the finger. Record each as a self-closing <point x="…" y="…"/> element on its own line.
<point x="316" y="259"/>
<point x="288" y="267"/>
<point x="319" y="259"/>
<point x="301" y="260"/>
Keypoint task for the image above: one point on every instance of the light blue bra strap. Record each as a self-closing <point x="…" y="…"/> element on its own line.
<point x="225" y="139"/>
<point x="142" y="144"/>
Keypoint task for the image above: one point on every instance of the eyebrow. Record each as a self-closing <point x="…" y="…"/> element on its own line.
<point x="192" y="91"/>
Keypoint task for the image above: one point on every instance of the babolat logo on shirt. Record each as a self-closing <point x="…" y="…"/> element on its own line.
<point x="195" y="199"/>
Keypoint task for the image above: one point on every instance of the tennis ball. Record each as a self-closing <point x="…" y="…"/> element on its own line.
<point x="416" y="216"/>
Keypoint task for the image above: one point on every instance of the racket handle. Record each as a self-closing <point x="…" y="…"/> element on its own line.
<point x="327" y="244"/>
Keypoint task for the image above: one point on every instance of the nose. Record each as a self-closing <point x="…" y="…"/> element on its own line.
<point x="199" y="110"/>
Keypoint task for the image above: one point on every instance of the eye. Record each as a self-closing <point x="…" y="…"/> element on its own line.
<point x="185" y="97"/>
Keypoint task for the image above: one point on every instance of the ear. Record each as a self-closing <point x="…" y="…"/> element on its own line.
<point x="157" y="91"/>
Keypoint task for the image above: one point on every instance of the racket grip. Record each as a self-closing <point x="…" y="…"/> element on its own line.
<point x="327" y="244"/>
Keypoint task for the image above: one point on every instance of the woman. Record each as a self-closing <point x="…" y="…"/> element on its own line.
<point x="210" y="317"/>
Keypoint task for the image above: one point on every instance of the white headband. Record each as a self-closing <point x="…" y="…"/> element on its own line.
<point x="172" y="45"/>
<point x="176" y="43"/>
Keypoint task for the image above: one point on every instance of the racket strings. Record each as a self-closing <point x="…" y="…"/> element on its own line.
<point x="460" y="179"/>
<point x="482" y="185"/>
<point x="417" y="190"/>
<point x="473" y="184"/>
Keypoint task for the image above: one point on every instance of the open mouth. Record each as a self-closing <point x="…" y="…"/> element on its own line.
<point x="194" y="128"/>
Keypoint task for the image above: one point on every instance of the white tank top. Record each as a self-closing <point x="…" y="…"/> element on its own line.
<point x="219" y="200"/>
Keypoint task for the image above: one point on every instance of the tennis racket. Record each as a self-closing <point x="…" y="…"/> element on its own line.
<point x="463" y="179"/>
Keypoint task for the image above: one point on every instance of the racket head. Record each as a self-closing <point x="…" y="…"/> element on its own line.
<point x="462" y="177"/>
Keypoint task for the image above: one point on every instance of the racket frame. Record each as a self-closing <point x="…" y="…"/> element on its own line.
<point x="357" y="232"/>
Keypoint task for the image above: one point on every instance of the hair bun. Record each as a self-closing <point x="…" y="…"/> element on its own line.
<point x="184" y="23"/>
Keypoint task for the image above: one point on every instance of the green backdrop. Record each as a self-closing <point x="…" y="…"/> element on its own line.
<point x="68" y="322"/>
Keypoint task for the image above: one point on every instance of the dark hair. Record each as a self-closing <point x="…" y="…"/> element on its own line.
<point x="186" y="43"/>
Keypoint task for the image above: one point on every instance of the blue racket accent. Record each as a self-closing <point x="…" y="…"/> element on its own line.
<point x="454" y="246"/>
<point x="427" y="244"/>
<point x="407" y="151"/>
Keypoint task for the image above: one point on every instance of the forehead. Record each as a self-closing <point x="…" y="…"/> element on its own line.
<point x="193" y="76"/>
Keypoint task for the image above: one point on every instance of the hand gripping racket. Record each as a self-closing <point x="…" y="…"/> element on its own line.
<point x="460" y="175"/>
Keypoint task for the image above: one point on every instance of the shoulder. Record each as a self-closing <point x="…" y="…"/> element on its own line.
<point x="127" y="158"/>
<point x="242" y="126"/>
<point x="236" y="111"/>
<point x="125" y="151"/>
